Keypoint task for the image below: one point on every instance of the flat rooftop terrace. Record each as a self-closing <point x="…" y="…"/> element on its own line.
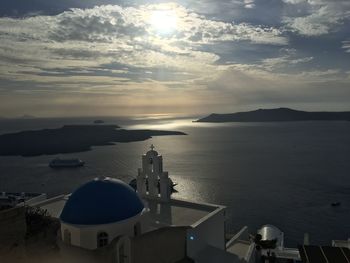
<point x="239" y="248"/>
<point x="180" y="212"/>
<point x="54" y="206"/>
<point x="161" y="214"/>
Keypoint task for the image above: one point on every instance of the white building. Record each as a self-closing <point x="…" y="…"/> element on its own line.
<point x="100" y="211"/>
<point x="143" y="226"/>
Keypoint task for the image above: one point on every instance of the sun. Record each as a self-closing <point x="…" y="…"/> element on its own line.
<point x="163" y="21"/>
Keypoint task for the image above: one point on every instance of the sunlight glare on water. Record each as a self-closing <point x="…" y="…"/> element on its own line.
<point x="168" y="122"/>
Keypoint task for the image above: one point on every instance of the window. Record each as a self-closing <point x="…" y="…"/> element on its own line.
<point x="102" y="239"/>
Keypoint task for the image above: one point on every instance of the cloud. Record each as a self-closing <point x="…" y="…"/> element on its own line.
<point x="108" y="22"/>
<point x="346" y="45"/>
<point x="249" y="3"/>
<point x="294" y="1"/>
<point x="322" y="18"/>
<point x="118" y="56"/>
<point x="279" y="63"/>
<point x="103" y="35"/>
<point x="249" y="87"/>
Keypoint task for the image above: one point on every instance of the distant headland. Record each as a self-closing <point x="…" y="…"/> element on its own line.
<point x="71" y="138"/>
<point x="274" y="115"/>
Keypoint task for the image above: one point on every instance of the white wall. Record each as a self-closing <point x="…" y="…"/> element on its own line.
<point x="210" y="231"/>
<point x="37" y="199"/>
<point x="85" y="236"/>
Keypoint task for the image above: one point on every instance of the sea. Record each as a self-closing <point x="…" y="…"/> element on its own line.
<point x="281" y="173"/>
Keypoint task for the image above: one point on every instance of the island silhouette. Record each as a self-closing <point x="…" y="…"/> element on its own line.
<point x="280" y="114"/>
<point x="71" y="138"/>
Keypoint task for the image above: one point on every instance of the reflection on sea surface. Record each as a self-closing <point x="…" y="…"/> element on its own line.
<point x="169" y="122"/>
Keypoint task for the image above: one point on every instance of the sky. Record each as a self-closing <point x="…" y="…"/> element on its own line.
<point x="110" y="57"/>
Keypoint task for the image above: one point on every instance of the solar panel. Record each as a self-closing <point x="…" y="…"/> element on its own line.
<point x="324" y="254"/>
<point x="346" y="252"/>
<point x="334" y="255"/>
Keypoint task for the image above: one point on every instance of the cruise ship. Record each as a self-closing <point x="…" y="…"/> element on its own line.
<point x="60" y="163"/>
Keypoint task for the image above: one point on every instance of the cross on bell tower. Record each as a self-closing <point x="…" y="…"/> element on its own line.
<point x="152" y="181"/>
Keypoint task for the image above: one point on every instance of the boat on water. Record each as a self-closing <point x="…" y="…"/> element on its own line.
<point x="61" y="163"/>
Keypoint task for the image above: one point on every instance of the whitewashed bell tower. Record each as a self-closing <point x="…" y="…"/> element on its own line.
<point x="152" y="172"/>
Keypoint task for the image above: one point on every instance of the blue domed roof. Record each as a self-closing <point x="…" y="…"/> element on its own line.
<point x="101" y="201"/>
